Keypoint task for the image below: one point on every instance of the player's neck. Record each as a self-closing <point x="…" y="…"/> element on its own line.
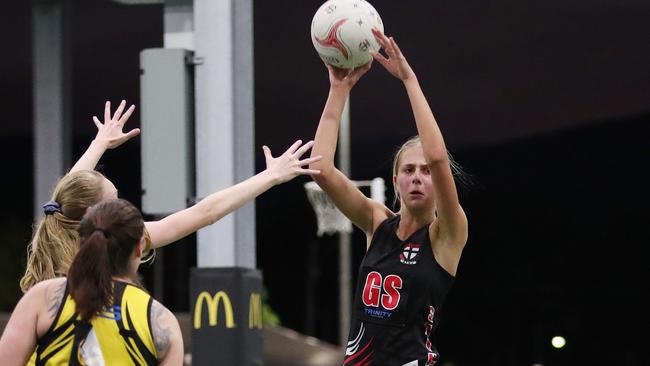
<point x="410" y="222"/>
<point x="125" y="278"/>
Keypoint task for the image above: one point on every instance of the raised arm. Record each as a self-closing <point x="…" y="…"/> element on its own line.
<point x="451" y="218"/>
<point x="217" y="205"/>
<point x="362" y="211"/>
<point x="109" y="136"/>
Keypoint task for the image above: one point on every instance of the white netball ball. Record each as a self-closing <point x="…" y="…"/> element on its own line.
<point x="341" y="32"/>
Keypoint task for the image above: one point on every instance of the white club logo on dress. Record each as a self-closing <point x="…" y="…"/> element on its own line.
<point x="409" y="254"/>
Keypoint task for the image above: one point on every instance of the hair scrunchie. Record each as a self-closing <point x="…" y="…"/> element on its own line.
<point x="51" y="208"/>
<point x="103" y="231"/>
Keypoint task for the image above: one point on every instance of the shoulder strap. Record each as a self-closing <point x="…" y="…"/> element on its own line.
<point x="47" y="337"/>
<point x="81" y="330"/>
<point x="130" y="336"/>
<point x="54" y="333"/>
<point x="384" y="230"/>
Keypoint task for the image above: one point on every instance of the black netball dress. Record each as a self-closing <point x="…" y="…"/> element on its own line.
<point x="399" y="294"/>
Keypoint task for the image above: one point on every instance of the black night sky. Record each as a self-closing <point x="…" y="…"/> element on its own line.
<point x="545" y="103"/>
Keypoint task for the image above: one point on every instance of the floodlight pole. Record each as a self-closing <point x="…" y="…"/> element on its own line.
<point x="345" y="239"/>
<point x="223" y="39"/>
<point x="220" y="32"/>
<point x="51" y="97"/>
<point x="224" y="115"/>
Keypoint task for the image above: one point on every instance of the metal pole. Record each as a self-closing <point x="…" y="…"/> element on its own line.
<point x="221" y="34"/>
<point x="179" y="24"/>
<point x="224" y="135"/>
<point x="223" y="39"/>
<point x="345" y="239"/>
<point x="50" y="98"/>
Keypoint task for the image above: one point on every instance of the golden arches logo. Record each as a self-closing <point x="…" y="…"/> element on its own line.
<point x="213" y="309"/>
<point x="255" y="311"/>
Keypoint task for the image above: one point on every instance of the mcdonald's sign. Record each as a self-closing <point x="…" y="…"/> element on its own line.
<point x="213" y="309"/>
<point x="229" y="333"/>
<point x="255" y="311"/>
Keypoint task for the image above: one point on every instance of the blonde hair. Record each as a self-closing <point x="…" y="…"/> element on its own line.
<point x="56" y="241"/>
<point x="456" y="169"/>
<point x="149" y="253"/>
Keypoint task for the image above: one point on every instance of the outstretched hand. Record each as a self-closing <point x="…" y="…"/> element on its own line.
<point x="288" y="165"/>
<point x="346" y="77"/>
<point x="396" y="63"/>
<point x="110" y="131"/>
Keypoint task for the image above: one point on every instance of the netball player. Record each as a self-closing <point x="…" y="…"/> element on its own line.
<point x="55" y="240"/>
<point x="97" y="316"/>
<point x="412" y="254"/>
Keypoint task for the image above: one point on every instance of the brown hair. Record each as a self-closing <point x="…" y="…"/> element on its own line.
<point x="457" y="171"/>
<point x="109" y="232"/>
<point x="56" y="241"/>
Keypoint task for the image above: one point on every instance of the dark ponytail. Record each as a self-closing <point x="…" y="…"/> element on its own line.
<point x="90" y="276"/>
<point x="109" y="232"/>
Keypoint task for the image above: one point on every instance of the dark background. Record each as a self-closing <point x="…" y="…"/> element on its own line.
<point x="545" y="103"/>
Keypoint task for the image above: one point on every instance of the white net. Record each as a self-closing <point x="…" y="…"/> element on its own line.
<point x="329" y="219"/>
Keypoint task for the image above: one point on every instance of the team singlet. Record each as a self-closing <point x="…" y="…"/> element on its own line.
<point x="400" y="291"/>
<point x="120" y="335"/>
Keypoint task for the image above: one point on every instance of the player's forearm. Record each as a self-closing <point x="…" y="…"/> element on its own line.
<point x="433" y="143"/>
<point x="221" y="203"/>
<point x="90" y="158"/>
<point x="328" y="130"/>
<point x="209" y="210"/>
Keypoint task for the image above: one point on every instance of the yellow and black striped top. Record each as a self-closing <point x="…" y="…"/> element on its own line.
<point x="120" y="335"/>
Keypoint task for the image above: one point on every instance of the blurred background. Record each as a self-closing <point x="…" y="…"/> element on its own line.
<point x="546" y="104"/>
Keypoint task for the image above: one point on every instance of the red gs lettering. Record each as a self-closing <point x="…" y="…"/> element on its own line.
<point x="372" y="290"/>
<point x="390" y="299"/>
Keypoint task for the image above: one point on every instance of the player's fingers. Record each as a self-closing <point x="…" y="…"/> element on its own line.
<point x="127" y="115"/>
<point x="379" y="57"/>
<point x="395" y="46"/>
<point x="380" y="37"/>
<point x="292" y="149"/>
<point x="303" y="149"/>
<point x="308" y="171"/>
<point x="267" y="152"/>
<point x="107" y="111"/>
<point x="310" y="160"/>
<point x="133" y="133"/>
<point x="382" y="40"/>
<point x="390" y="51"/>
<point x="119" y="110"/>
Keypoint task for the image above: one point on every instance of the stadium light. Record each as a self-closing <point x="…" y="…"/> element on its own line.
<point x="558" y="342"/>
